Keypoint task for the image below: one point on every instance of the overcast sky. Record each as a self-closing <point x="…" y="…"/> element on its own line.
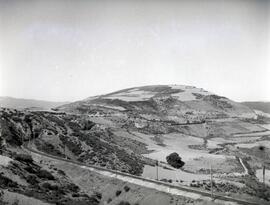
<point x="70" y="50"/>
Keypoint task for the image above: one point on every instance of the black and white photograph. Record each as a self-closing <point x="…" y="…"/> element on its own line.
<point x="134" y="102"/>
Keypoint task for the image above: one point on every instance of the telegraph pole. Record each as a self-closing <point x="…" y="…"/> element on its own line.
<point x="264" y="175"/>
<point x="211" y="176"/>
<point x="262" y="149"/>
<point x="211" y="171"/>
<point x="157" y="169"/>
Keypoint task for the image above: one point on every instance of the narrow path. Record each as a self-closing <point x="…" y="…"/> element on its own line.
<point x="244" y="167"/>
<point x="234" y="174"/>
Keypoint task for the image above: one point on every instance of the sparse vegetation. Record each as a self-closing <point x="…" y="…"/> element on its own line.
<point x="118" y="192"/>
<point x="126" y="188"/>
<point x="44" y="174"/>
<point x="6" y="182"/>
<point x="123" y="203"/>
<point x="23" y="158"/>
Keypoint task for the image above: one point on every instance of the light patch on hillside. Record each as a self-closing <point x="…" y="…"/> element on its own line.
<point x="110" y="106"/>
<point x="20" y="199"/>
<point x="259" y="175"/>
<point x="187" y="95"/>
<point x="137" y="94"/>
<point x="132" y="95"/>
<point x="4" y="161"/>
<point x="255" y="144"/>
<point x="261" y="113"/>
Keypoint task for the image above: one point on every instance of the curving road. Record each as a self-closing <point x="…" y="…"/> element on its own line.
<point x="157" y="185"/>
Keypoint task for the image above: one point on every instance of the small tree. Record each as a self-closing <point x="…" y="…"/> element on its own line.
<point x="175" y="160"/>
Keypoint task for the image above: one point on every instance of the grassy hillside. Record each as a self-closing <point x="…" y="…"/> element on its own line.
<point x="263" y="106"/>
<point x="32" y="180"/>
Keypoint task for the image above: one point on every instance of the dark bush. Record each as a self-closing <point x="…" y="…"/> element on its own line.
<point x="126" y="188"/>
<point x="98" y="195"/>
<point x="49" y="186"/>
<point x="32" y="179"/>
<point x="75" y="195"/>
<point x="6" y="182"/>
<point x="88" y="125"/>
<point x="72" y="187"/>
<point x="23" y="158"/>
<point x="118" y="192"/>
<point x="48" y="148"/>
<point x="61" y="172"/>
<point x="174" y="160"/>
<point x="45" y="174"/>
<point x="109" y="200"/>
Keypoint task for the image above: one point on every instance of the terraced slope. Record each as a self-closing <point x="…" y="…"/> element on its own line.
<point x="175" y="103"/>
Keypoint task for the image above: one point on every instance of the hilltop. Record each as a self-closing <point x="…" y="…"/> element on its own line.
<point x="178" y="103"/>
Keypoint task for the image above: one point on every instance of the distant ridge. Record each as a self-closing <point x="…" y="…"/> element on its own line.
<point x="256" y="105"/>
<point x="20" y="103"/>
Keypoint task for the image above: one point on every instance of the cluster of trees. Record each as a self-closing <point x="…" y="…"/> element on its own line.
<point x="175" y="160"/>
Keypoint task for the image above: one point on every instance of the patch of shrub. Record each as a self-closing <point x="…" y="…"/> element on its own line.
<point x="72" y="188"/>
<point x="23" y="158"/>
<point x="45" y="174"/>
<point x="6" y="182"/>
<point x="75" y="195"/>
<point x="48" y="148"/>
<point x="30" y="169"/>
<point x="88" y="125"/>
<point x="109" y="200"/>
<point x="118" y="192"/>
<point x="32" y="179"/>
<point x="74" y="147"/>
<point x="49" y="186"/>
<point x="16" y="202"/>
<point x="61" y="172"/>
<point x="257" y="189"/>
<point x="98" y="195"/>
<point x="126" y="188"/>
<point x="175" y="160"/>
